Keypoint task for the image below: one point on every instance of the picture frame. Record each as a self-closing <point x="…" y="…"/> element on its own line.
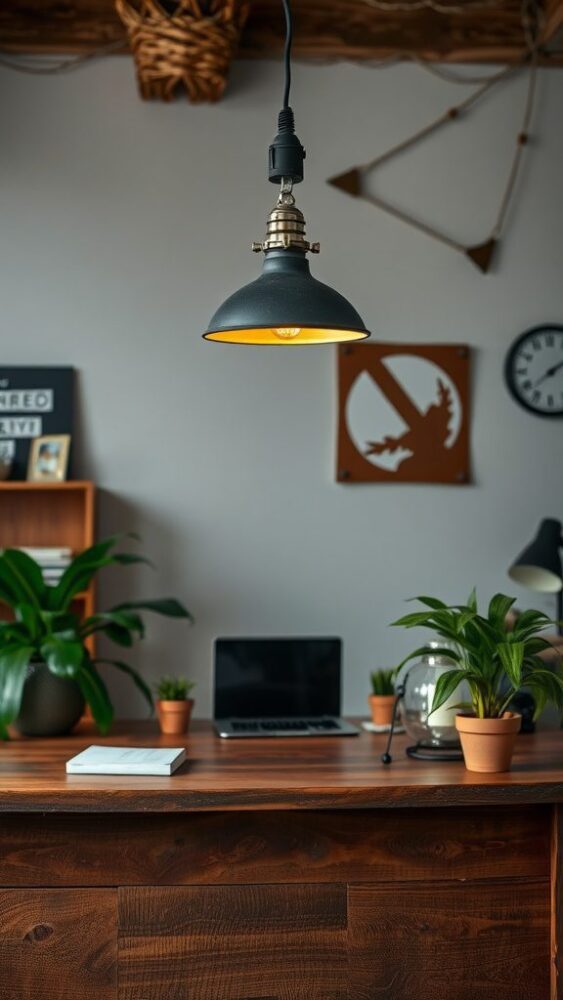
<point x="48" y="458"/>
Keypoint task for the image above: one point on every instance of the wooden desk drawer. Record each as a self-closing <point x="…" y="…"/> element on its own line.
<point x="269" y="942"/>
<point x="58" y="943"/>
<point x="273" y="847"/>
<point x="487" y="940"/>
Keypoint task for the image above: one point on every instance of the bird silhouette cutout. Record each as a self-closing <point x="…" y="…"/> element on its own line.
<point x="430" y="431"/>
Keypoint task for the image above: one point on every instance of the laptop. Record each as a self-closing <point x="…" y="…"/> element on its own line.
<point x="278" y="687"/>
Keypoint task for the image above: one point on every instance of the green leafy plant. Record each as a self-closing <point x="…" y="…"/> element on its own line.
<point x="496" y="663"/>
<point x="382" y="682"/>
<point x="47" y="629"/>
<point x="173" y="688"/>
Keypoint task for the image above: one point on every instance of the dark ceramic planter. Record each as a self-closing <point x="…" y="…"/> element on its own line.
<point x="51" y="706"/>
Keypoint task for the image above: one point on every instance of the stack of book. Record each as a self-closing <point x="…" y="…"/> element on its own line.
<point x="53" y="561"/>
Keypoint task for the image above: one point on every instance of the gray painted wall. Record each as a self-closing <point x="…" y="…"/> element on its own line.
<point x="124" y="224"/>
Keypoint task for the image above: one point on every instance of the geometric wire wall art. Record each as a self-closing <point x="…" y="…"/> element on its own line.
<point x="403" y="413"/>
<point x="353" y="181"/>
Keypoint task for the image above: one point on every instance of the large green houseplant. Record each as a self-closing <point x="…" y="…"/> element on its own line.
<point x="47" y="633"/>
<point x="496" y="664"/>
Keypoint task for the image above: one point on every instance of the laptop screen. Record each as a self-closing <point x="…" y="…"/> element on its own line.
<point x="277" y="678"/>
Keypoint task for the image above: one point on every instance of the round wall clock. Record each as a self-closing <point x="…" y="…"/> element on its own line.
<point x="534" y="370"/>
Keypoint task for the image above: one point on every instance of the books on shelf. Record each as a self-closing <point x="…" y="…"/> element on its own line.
<point x="44" y="553"/>
<point x="53" y="560"/>
<point x="126" y="760"/>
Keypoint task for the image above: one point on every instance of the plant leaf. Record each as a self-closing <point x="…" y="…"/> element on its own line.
<point x="23" y="576"/>
<point x="63" y="656"/>
<point x="537" y="644"/>
<point x="121" y="636"/>
<point x="464" y="617"/>
<point x="134" y="675"/>
<point x="126" y="619"/>
<point x="129" y="559"/>
<point x="96" y="695"/>
<point x="80" y="573"/>
<point x="499" y="607"/>
<point x="545" y="685"/>
<point x="511" y="655"/>
<point x="29" y="617"/>
<point x="428" y="651"/>
<point x="472" y="600"/>
<point x="431" y="602"/>
<point x="445" y="687"/>
<point x="14" y="661"/>
<point x="56" y="623"/>
<point x="168" y="606"/>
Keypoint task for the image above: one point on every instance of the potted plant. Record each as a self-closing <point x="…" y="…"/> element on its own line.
<point x="46" y="669"/>
<point x="382" y="698"/>
<point x="173" y="706"/>
<point x="496" y="664"/>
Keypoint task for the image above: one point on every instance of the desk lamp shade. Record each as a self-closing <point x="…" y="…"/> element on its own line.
<point x="286" y="306"/>
<point x="539" y="565"/>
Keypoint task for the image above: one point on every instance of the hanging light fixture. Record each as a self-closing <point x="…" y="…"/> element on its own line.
<point x="286" y="305"/>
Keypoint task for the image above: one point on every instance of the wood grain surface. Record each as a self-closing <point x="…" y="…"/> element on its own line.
<point x="340" y="29"/>
<point x="256" y="774"/>
<point x="303" y="847"/>
<point x="58" y="944"/>
<point x="557" y="905"/>
<point x="487" y="941"/>
<point x="233" y="943"/>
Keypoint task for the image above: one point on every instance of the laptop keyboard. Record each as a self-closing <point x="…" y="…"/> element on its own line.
<point x="285" y="725"/>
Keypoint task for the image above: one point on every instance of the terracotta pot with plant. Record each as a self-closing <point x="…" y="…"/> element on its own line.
<point x="173" y="706"/>
<point x="47" y="667"/>
<point x="497" y="664"/>
<point x="382" y="698"/>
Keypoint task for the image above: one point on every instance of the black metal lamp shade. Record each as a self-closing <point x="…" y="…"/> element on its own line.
<point x="286" y="306"/>
<point x="539" y="566"/>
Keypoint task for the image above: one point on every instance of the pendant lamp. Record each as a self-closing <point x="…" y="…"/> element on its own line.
<point x="286" y="306"/>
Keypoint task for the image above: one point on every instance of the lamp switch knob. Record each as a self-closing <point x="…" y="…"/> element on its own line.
<point x="315" y="248"/>
<point x="256" y="247"/>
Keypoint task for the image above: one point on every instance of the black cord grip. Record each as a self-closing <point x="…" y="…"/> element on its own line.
<point x="286" y="154"/>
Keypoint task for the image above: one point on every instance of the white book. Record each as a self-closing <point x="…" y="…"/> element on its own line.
<point x="126" y="760"/>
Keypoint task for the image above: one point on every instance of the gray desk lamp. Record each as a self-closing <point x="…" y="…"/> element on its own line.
<point x="539" y="565"/>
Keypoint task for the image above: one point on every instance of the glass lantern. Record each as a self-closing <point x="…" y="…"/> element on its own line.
<point x="434" y="733"/>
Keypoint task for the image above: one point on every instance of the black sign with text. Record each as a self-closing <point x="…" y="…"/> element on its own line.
<point x="33" y="402"/>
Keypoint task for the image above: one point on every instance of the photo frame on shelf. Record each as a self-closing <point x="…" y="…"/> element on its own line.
<point x="48" y="458"/>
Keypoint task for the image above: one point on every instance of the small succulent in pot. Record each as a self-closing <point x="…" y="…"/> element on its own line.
<point x="382" y="698"/>
<point x="47" y="641"/>
<point x="496" y="663"/>
<point x="173" y="705"/>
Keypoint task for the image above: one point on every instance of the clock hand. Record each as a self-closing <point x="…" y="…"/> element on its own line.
<point x="550" y="372"/>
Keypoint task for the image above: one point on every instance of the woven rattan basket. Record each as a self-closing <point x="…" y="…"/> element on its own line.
<point x="190" y="48"/>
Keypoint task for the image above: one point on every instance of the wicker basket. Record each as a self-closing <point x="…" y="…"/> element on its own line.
<point x="192" y="47"/>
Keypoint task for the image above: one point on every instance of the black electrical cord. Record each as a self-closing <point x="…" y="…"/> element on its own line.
<point x="286" y="153"/>
<point x="287" y="51"/>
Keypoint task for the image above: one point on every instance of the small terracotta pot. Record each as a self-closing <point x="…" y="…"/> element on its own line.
<point x="174" y="716"/>
<point x="488" y="744"/>
<point x="381" y="708"/>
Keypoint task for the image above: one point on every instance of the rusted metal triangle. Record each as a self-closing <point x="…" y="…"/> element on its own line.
<point x="350" y="182"/>
<point x="482" y="254"/>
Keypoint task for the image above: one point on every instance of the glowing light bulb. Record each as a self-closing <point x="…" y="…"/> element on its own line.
<point x="287" y="332"/>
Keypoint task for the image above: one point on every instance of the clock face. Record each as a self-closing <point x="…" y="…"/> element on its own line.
<point x="534" y="370"/>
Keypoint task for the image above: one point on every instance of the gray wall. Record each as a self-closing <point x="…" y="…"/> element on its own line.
<point x="123" y="225"/>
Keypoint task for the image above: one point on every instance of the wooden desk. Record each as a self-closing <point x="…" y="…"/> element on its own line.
<point x="294" y="869"/>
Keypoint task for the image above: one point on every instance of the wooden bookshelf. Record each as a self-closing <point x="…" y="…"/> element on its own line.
<point x="49" y="514"/>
